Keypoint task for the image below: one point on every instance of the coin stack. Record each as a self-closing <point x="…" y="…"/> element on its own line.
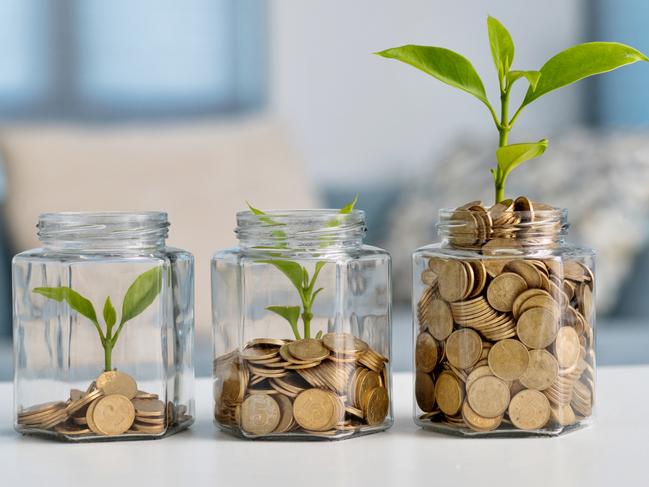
<point x="111" y="406"/>
<point x="333" y="386"/>
<point x="505" y="339"/>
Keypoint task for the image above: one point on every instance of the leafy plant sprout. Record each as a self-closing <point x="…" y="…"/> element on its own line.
<point x="139" y="296"/>
<point x="298" y="275"/>
<point x="566" y="67"/>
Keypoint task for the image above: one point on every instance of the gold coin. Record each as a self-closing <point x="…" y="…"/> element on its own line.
<point x="477" y="422"/>
<point x="585" y="300"/>
<point x="524" y="296"/>
<point x="529" y="410"/>
<point x="317" y="409"/>
<point x="463" y="348"/>
<point x="344" y="343"/>
<point x="426" y="353"/>
<point x="489" y="396"/>
<point x="113" y="414"/>
<point x="563" y="414"/>
<point x="114" y="382"/>
<point x="439" y="319"/>
<point x="286" y="420"/>
<point x="425" y="392"/>
<point x="542" y="370"/>
<point x="475" y="374"/>
<point x="480" y="275"/>
<point x="567" y="346"/>
<point x="148" y="429"/>
<point x="449" y="393"/>
<point x="76" y="394"/>
<point x="526" y="270"/>
<point x="40" y="410"/>
<point x="378" y="404"/>
<point x="508" y="359"/>
<point x="453" y="280"/>
<point x="504" y="289"/>
<point x="148" y="407"/>
<point x="308" y="349"/>
<point x="260" y="414"/>
<point x="428" y="277"/>
<point x="91" y="423"/>
<point x="537" y="327"/>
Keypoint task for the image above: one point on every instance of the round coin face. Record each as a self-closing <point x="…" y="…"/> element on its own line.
<point x="449" y="393"/>
<point x="260" y="414"/>
<point x="377" y="407"/>
<point x="489" y="396"/>
<point x="453" y="280"/>
<point x="316" y="409"/>
<point x="541" y="372"/>
<point x="508" y="359"/>
<point x="426" y="352"/>
<point x="439" y="319"/>
<point x="537" y="327"/>
<point x="113" y="414"/>
<point x="114" y="382"/>
<point x="308" y="349"/>
<point x="529" y="410"/>
<point x="477" y="422"/>
<point x="344" y="343"/>
<point x="567" y="346"/>
<point x="504" y="289"/>
<point x="149" y="406"/>
<point x="425" y="392"/>
<point x="463" y="348"/>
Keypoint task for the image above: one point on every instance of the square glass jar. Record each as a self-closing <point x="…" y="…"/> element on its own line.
<point x="302" y="321"/>
<point x="504" y="324"/>
<point x="103" y="329"/>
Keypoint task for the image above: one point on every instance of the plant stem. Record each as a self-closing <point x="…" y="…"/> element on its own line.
<point x="108" y="355"/>
<point x="503" y="130"/>
<point x="306" y="318"/>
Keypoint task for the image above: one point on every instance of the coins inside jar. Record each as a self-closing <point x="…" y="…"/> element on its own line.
<point x="517" y="353"/>
<point x="325" y="387"/>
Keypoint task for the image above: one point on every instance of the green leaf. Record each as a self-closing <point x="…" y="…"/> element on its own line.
<point x="110" y="315"/>
<point x="318" y="267"/>
<point x="531" y="76"/>
<point x="141" y="293"/>
<point x="75" y="300"/>
<point x="502" y="46"/>
<point x="349" y="207"/>
<point x="513" y="155"/>
<point x="317" y="291"/>
<point x="579" y="62"/>
<point x="290" y="269"/>
<point x="445" y="65"/>
<point x="290" y="314"/>
<point x="318" y="335"/>
<point x="254" y="210"/>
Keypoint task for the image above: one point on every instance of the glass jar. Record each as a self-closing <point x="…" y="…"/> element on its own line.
<point x="504" y="324"/>
<point x="302" y="313"/>
<point x="103" y="329"/>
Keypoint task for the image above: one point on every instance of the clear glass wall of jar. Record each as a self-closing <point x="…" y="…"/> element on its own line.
<point x="103" y="329"/>
<point x="504" y="324"/>
<point x="302" y="328"/>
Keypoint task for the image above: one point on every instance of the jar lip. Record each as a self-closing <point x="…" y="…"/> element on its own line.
<point x="107" y="216"/>
<point x="298" y="216"/>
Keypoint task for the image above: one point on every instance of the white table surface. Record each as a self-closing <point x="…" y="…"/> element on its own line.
<point x="614" y="452"/>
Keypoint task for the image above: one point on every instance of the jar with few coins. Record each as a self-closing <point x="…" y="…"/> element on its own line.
<point x="301" y="313"/>
<point x="103" y="329"/>
<point x="504" y="323"/>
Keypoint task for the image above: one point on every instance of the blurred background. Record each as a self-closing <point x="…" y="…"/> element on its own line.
<point x="195" y="106"/>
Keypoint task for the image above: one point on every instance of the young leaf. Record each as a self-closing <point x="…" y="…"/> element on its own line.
<point x="502" y="46"/>
<point x="579" y="62"/>
<point x="75" y="300"/>
<point x="445" y="65"/>
<point x="141" y="293"/>
<point x="290" y="269"/>
<point x="531" y="76"/>
<point x="318" y="335"/>
<point x="290" y="314"/>
<point x="349" y="207"/>
<point x="110" y="315"/>
<point x="510" y="156"/>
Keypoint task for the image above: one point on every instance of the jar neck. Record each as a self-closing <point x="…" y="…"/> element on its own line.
<point x="472" y="229"/>
<point x="113" y="231"/>
<point x="312" y="231"/>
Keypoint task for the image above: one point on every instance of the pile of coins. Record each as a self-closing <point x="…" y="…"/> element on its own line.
<point x="332" y="386"/>
<point x="505" y="342"/>
<point x="112" y="405"/>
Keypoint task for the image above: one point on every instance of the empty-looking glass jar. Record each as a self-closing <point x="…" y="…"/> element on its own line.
<point x="504" y="323"/>
<point x="302" y="328"/>
<point x="103" y="329"/>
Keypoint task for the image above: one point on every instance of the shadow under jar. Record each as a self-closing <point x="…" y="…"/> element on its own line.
<point x="103" y="329"/>
<point x="504" y="325"/>
<point x="302" y="328"/>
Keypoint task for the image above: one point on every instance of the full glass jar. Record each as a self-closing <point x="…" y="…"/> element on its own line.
<point x="301" y="328"/>
<point x="103" y="329"/>
<point x="504" y="323"/>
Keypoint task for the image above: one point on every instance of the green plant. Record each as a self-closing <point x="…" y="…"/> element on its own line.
<point x="138" y="297"/>
<point x="564" y="68"/>
<point x="298" y="275"/>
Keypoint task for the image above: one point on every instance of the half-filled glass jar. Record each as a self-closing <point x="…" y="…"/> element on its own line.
<point x="504" y="323"/>
<point x="103" y="329"/>
<point x="302" y="312"/>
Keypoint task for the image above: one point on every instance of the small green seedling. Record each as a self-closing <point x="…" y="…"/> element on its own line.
<point x="138" y="297"/>
<point x="568" y="66"/>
